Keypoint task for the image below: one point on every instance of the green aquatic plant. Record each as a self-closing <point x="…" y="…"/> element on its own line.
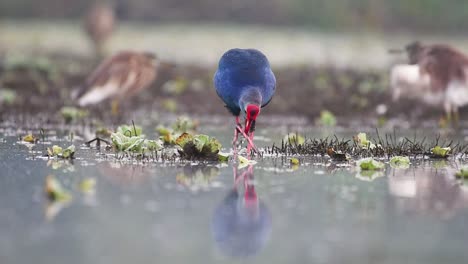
<point x="30" y="138"/>
<point x="362" y="141"/>
<point x="370" y="164"/>
<point x="59" y="152"/>
<point x="182" y="125"/>
<point x="223" y="157"/>
<point x="244" y="162"/>
<point x="294" y="161"/>
<point x="400" y="162"/>
<point x="198" y="146"/>
<point x="439" y="152"/>
<point x="130" y="139"/>
<point x="129" y="130"/>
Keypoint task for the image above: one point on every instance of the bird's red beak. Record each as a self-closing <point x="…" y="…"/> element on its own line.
<point x="252" y="112"/>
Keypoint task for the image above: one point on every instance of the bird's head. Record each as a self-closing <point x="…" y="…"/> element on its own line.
<point x="251" y="113"/>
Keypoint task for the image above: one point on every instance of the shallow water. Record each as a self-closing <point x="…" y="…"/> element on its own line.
<point x="320" y="212"/>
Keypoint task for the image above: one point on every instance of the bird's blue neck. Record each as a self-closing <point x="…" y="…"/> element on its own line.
<point x="250" y="95"/>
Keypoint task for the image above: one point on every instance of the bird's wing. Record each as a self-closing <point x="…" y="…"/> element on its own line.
<point x="107" y="80"/>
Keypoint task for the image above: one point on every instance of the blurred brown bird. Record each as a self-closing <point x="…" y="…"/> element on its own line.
<point x="122" y="75"/>
<point x="99" y="24"/>
<point x="442" y="73"/>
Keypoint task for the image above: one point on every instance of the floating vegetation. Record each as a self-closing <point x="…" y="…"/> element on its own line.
<point x="198" y="146"/>
<point x="244" y="162"/>
<point x="55" y="191"/>
<point x="30" y="138"/>
<point x="294" y="161"/>
<point x="370" y="164"/>
<point x="130" y="130"/>
<point x="223" y="157"/>
<point x="197" y="176"/>
<point x="369" y="169"/>
<point x="400" y="162"/>
<point x="363" y="142"/>
<point x="129" y="142"/>
<point x="59" y="152"/>
<point x="181" y="125"/>
<point x="326" y="119"/>
<point x="71" y="114"/>
<point x="440" y="153"/>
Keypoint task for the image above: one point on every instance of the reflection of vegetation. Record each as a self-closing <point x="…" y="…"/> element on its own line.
<point x="199" y="175"/>
<point x="400" y="162"/>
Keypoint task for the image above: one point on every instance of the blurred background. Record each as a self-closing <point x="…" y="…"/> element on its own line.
<point x="336" y="48"/>
<point x="398" y="15"/>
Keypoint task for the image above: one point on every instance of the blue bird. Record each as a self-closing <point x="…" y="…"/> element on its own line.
<point x="246" y="83"/>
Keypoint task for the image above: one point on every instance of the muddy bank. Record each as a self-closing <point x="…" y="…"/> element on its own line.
<point x="45" y="84"/>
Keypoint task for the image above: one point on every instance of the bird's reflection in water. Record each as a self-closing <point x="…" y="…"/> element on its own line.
<point x="241" y="223"/>
<point x="428" y="191"/>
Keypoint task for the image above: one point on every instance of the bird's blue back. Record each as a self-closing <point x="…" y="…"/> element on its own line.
<point x="241" y="69"/>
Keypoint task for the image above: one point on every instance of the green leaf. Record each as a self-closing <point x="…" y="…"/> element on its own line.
<point x="400" y="162"/>
<point x="201" y="141"/>
<point x="68" y="152"/>
<point x="440" y="152"/>
<point x="153" y="145"/>
<point x="363" y="142"/>
<point x="244" y="162"/>
<point x="223" y="157"/>
<point x="130" y="130"/>
<point x="370" y="164"/>
<point x="294" y="161"/>
<point x="30" y="138"/>
<point x="183" y="139"/>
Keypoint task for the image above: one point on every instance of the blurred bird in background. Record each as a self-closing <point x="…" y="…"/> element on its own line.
<point x="436" y="74"/>
<point x="99" y="24"/>
<point x="120" y="76"/>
